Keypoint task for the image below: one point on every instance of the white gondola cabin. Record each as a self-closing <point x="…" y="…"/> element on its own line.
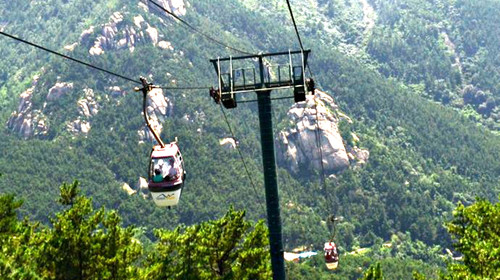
<point x="166" y="175"/>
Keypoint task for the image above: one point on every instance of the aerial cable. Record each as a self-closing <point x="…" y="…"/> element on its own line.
<point x="331" y="218"/>
<point x="318" y="136"/>
<point x="298" y="36"/>
<point x="242" y="159"/>
<point x="294" y="24"/>
<point x="70" y="58"/>
<point x="92" y="66"/>
<point x="319" y="144"/>
<point x="196" y="29"/>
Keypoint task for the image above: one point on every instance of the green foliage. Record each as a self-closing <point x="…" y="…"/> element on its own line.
<point x="87" y="244"/>
<point x="346" y="132"/>
<point x="222" y="249"/>
<point x="374" y="273"/>
<point x="424" y="157"/>
<point x="443" y="44"/>
<point x="84" y="243"/>
<point x="8" y="218"/>
<point x="477" y="233"/>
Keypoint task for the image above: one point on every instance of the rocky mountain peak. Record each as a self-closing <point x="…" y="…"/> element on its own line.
<point x="26" y="121"/>
<point x="122" y="33"/>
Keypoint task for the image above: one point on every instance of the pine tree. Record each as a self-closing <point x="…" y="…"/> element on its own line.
<point x="476" y="229"/>
<point x="220" y="249"/>
<point x="87" y="244"/>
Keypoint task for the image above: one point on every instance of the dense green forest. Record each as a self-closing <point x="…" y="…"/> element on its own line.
<point x="419" y="79"/>
<point x="82" y="242"/>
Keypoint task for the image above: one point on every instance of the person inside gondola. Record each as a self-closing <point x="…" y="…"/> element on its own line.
<point x="158" y="171"/>
<point x="172" y="169"/>
<point x="331" y="254"/>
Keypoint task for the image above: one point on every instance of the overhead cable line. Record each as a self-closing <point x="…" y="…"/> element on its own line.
<point x="70" y="58"/>
<point x="93" y="66"/>
<point x="294" y="24"/>
<point x="242" y="159"/>
<point x="298" y="36"/>
<point x="196" y="29"/>
<point x="319" y="144"/>
<point x="318" y="137"/>
<point x="317" y="130"/>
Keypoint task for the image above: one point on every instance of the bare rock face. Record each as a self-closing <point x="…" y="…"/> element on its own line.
<point x="58" y="90"/>
<point x="87" y="108"/>
<point x="142" y="186"/>
<point x="159" y="107"/>
<point x="178" y="7"/>
<point x="120" y="33"/>
<point x="78" y="126"/>
<point x="228" y="143"/>
<point x="314" y="123"/>
<point x="26" y="121"/>
<point x="31" y="121"/>
<point x="126" y="187"/>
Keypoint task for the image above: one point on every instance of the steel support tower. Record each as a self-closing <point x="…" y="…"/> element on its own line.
<point x="241" y="80"/>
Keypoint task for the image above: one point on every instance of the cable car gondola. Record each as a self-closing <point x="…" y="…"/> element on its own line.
<point x="331" y="255"/>
<point x="331" y="252"/>
<point x="166" y="173"/>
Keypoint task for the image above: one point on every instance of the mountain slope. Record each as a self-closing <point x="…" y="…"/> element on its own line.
<point x="424" y="156"/>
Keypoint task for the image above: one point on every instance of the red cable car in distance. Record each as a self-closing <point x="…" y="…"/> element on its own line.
<point x="331" y="255"/>
<point x="331" y="251"/>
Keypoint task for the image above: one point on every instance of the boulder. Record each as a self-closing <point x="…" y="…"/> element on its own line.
<point x="142" y="187"/>
<point x="228" y="143"/>
<point x="116" y="18"/>
<point x="87" y="106"/>
<point x="153" y="34"/>
<point x="78" y="127"/>
<point x="96" y="50"/>
<point x="165" y="45"/>
<point x="178" y="7"/>
<point x="86" y="34"/>
<point x="314" y="124"/>
<point x="58" y="90"/>
<point x="71" y="47"/>
<point x="116" y="91"/>
<point x="138" y="20"/>
<point x="126" y="187"/>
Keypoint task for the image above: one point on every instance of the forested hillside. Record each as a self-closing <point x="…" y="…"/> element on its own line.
<point x="418" y="79"/>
